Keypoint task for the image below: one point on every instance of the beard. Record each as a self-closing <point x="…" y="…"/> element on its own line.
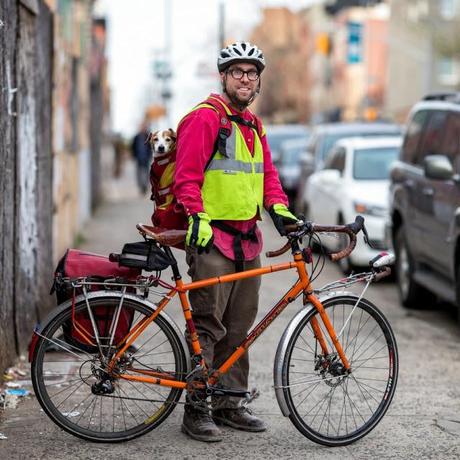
<point x="240" y="99"/>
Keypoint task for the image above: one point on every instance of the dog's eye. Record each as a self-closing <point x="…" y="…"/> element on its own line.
<point x="155" y="139"/>
<point x="168" y="139"/>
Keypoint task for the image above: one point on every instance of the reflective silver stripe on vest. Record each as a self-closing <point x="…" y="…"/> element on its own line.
<point x="230" y="165"/>
<point x="258" y="168"/>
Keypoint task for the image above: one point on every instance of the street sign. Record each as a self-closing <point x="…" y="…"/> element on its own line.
<point x="355" y="42"/>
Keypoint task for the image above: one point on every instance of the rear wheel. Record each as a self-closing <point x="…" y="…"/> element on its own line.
<point x="326" y="403"/>
<point x="80" y="395"/>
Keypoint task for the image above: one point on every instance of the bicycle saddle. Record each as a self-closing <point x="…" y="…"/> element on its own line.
<point x="164" y="236"/>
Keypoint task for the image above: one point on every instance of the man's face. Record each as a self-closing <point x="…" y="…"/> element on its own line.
<point x="241" y="90"/>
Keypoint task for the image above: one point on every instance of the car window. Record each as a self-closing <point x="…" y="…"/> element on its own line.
<point x="412" y="137"/>
<point x="451" y="139"/>
<point x="433" y="134"/>
<point x="276" y="137"/>
<point x="330" y="139"/>
<point x="290" y="155"/>
<point x="374" y="164"/>
<point x="336" y="159"/>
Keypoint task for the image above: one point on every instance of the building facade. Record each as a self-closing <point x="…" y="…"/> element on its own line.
<point x="45" y="179"/>
<point x="424" y="52"/>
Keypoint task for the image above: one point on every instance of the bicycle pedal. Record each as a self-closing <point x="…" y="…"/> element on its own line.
<point x="254" y="394"/>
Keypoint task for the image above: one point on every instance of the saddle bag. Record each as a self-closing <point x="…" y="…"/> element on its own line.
<point x="144" y="255"/>
<point x="78" y="331"/>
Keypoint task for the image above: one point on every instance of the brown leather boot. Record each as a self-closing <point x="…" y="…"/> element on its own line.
<point x="240" y="418"/>
<point x="199" y="425"/>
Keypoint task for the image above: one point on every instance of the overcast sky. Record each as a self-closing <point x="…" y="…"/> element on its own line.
<point x="137" y="33"/>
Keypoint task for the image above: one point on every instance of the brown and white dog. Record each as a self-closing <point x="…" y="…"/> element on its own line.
<point x="168" y="213"/>
<point x="162" y="142"/>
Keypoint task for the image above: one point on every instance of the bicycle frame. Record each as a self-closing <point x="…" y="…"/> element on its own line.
<point x="302" y="285"/>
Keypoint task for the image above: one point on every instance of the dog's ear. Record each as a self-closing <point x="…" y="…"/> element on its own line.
<point x="150" y="137"/>
<point x="172" y="133"/>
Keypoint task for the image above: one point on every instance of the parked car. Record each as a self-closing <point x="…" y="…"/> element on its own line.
<point x="322" y="139"/>
<point x="288" y="165"/>
<point x="354" y="180"/>
<point x="424" y="223"/>
<point x="277" y="134"/>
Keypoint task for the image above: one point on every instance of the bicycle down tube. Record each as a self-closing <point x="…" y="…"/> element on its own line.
<point x="301" y="285"/>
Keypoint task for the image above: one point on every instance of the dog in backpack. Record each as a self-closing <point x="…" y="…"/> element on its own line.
<point x="162" y="142"/>
<point x="168" y="214"/>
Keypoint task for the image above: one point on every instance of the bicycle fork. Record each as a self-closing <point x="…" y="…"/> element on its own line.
<point x="330" y="329"/>
<point x="318" y="333"/>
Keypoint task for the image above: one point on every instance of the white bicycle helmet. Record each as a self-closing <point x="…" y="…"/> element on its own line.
<point x="240" y="52"/>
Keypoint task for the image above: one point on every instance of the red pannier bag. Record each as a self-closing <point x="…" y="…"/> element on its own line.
<point x="78" y="331"/>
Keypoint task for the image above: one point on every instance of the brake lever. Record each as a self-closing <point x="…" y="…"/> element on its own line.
<point x="358" y="225"/>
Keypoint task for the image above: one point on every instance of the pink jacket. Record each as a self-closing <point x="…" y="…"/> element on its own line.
<point x="196" y="136"/>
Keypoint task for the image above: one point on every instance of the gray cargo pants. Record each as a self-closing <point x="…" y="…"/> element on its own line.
<point x="223" y="315"/>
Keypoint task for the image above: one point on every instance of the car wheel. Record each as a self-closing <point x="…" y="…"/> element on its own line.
<point x="412" y="295"/>
<point x="458" y="292"/>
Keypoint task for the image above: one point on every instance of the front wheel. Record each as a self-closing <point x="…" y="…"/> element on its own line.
<point x="324" y="402"/>
<point x="75" y="388"/>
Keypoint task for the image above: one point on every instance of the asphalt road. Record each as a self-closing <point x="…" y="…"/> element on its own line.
<point x="422" y="422"/>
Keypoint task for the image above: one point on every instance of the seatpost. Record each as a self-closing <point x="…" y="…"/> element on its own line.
<point x="174" y="267"/>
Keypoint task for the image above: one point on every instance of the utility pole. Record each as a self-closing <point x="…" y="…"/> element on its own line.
<point x="221" y="24"/>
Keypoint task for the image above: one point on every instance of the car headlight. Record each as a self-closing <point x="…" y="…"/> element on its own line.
<point x="370" y="209"/>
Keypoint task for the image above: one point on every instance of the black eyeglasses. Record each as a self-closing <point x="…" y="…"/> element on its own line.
<point x="237" y="74"/>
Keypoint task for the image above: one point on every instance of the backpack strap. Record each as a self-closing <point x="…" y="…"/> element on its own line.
<point x="225" y="128"/>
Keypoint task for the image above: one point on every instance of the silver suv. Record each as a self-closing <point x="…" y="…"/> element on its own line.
<point x="425" y="203"/>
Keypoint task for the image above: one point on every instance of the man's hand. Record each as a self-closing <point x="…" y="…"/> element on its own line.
<point x="281" y="216"/>
<point x="199" y="234"/>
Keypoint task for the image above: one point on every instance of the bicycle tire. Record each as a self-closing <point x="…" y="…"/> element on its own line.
<point x="63" y="377"/>
<point x="365" y="394"/>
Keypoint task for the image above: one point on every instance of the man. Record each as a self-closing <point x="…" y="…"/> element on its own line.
<point x="223" y="194"/>
<point x="143" y="155"/>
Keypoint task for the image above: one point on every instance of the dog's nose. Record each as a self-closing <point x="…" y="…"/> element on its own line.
<point x="161" y="148"/>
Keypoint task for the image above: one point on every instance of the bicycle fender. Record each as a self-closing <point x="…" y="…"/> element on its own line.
<point x="107" y="294"/>
<point x="286" y="337"/>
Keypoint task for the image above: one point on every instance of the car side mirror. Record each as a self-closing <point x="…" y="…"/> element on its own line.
<point x="438" y="167"/>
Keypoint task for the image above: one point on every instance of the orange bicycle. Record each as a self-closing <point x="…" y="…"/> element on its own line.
<point x="335" y="370"/>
